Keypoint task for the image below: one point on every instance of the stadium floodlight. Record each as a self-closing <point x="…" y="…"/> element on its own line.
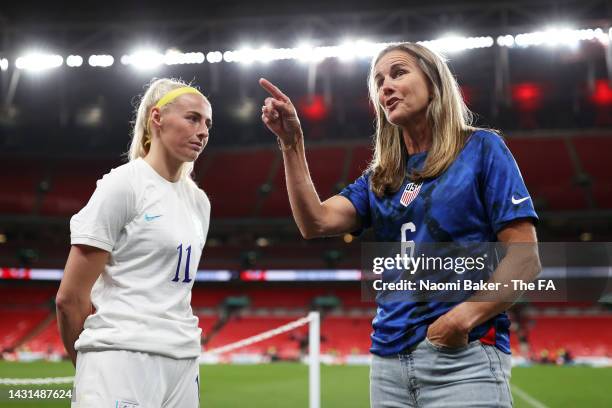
<point x="367" y="49"/>
<point x="455" y="43"/>
<point x="245" y="55"/>
<point x="346" y="51"/>
<point x="603" y="37"/>
<point x="552" y="37"/>
<point x="102" y="61"/>
<point x="228" y="56"/>
<point x="144" y="59"/>
<point x="4" y="64"/>
<point x="265" y="54"/>
<point x="505" y="41"/>
<point x="174" y="57"/>
<point x="214" y="56"/>
<point x="304" y="52"/>
<point x="38" y="61"/>
<point x="74" y="60"/>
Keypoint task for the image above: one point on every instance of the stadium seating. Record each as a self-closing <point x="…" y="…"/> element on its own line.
<point x="548" y="171"/>
<point x="326" y="165"/>
<point x="19" y="193"/>
<point x="593" y="152"/>
<point x="582" y="335"/>
<point x="232" y="181"/>
<point x="27" y="295"/>
<point x="240" y="327"/>
<point x="346" y="335"/>
<point x="47" y="341"/>
<point x="72" y="184"/>
<point x="16" y="323"/>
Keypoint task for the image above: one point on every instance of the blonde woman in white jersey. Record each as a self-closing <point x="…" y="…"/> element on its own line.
<point x="123" y="305"/>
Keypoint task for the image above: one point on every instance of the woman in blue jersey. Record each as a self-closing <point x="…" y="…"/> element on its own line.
<point x="123" y="305"/>
<point x="433" y="178"/>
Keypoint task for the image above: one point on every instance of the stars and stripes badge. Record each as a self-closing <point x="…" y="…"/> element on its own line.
<point x="410" y="193"/>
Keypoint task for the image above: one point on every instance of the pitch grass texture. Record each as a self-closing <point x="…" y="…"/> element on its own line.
<point x="286" y="385"/>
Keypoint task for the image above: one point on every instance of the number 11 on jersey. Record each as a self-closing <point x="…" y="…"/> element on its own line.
<point x="178" y="265"/>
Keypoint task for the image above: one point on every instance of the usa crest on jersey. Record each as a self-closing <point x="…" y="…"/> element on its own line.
<point x="410" y="193"/>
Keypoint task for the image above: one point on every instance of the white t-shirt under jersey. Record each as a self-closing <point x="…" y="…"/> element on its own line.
<point x="155" y="231"/>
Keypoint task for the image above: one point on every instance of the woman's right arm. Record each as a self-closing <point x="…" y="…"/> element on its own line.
<point x="72" y="302"/>
<point x="314" y="218"/>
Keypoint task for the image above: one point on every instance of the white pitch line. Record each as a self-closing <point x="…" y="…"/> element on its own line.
<point x="527" y="398"/>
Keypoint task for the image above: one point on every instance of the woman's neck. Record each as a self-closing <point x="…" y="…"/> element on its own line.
<point x="417" y="136"/>
<point x="166" y="166"/>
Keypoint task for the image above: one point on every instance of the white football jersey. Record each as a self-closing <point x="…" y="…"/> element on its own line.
<point x="155" y="231"/>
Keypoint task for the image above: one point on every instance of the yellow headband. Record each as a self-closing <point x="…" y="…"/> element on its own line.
<point x="175" y="93"/>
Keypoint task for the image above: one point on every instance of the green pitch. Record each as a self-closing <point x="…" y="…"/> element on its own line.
<point x="286" y="385"/>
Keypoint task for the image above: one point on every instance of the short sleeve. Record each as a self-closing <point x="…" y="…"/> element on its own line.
<point x="505" y="195"/>
<point x="358" y="193"/>
<point x="109" y="209"/>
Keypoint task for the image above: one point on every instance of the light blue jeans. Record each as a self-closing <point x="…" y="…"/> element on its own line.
<point x="429" y="375"/>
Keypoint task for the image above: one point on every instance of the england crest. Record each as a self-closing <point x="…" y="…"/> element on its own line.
<point x="410" y="193"/>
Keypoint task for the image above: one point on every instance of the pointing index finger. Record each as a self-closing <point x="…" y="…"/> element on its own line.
<point x="273" y="90"/>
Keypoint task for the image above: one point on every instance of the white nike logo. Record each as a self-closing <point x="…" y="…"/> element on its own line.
<point x="520" y="200"/>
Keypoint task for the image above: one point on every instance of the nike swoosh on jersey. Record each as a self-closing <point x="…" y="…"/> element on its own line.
<point x="151" y="217"/>
<point x="516" y="201"/>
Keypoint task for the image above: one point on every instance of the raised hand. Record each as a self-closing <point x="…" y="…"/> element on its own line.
<point x="279" y="114"/>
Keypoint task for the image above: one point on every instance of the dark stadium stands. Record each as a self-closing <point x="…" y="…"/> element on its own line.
<point x="593" y="152"/>
<point x="562" y="171"/>
<point x="71" y="184"/>
<point x="19" y="193"/>
<point x="548" y="171"/>
<point x="233" y="180"/>
<point x="559" y="172"/>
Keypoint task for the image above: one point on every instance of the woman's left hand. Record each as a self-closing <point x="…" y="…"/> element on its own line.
<point x="447" y="332"/>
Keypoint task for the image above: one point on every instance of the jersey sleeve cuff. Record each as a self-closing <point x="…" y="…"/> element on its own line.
<point x="500" y="224"/>
<point x="365" y="222"/>
<point x="91" y="241"/>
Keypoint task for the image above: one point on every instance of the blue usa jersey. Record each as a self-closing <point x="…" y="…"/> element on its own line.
<point x="471" y="201"/>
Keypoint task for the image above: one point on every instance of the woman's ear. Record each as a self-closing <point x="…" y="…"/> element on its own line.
<point x="156" y="116"/>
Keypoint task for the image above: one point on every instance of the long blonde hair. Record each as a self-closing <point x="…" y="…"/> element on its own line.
<point x="141" y="137"/>
<point x="447" y="115"/>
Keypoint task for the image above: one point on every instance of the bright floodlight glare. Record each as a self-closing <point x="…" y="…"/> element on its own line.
<point x="174" y="57"/>
<point x="245" y="55"/>
<point x="39" y="62"/>
<point x="74" y="60"/>
<point x="228" y="56"/>
<point x="304" y="52"/>
<point x="345" y="52"/>
<point x="505" y="41"/>
<point x="457" y="43"/>
<point x="102" y="61"/>
<point x="214" y="56"/>
<point x="4" y="64"/>
<point x="558" y="37"/>
<point x="265" y="54"/>
<point x="367" y="49"/>
<point x="144" y="59"/>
